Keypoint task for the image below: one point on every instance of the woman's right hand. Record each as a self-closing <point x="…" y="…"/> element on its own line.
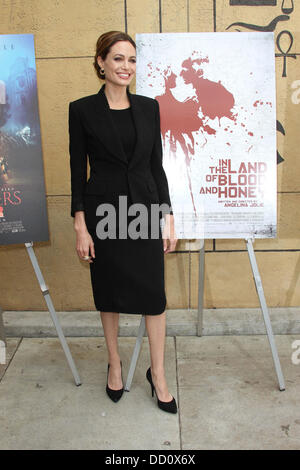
<point x="84" y="241"/>
<point x="84" y="245"/>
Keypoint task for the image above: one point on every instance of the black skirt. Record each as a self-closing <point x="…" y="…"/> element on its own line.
<point x="127" y="275"/>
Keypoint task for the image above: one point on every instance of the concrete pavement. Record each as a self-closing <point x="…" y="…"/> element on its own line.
<point x="225" y="386"/>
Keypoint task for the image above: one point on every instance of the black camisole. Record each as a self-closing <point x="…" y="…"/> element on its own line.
<point x="125" y="125"/>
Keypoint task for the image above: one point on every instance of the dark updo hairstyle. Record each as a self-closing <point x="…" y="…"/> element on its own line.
<point x="104" y="43"/>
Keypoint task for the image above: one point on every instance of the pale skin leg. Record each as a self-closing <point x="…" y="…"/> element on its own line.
<point x="110" y="323"/>
<point x="156" y="329"/>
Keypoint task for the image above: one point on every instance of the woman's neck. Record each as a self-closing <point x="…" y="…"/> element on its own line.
<point x="116" y="96"/>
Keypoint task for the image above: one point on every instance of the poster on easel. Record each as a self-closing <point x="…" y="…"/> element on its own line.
<point x="217" y="99"/>
<point x="23" y="209"/>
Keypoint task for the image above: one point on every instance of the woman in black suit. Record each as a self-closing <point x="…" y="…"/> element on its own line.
<point x="120" y="133"/>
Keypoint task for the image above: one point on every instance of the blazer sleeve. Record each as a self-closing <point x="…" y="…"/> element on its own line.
<point x="157" y="164"/>
<point x="78" y="160"/>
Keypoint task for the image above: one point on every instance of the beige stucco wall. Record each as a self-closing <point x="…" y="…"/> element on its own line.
<point x="65" y="34"/>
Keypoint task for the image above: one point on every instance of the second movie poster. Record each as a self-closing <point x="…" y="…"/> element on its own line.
<point x="216" y="93"/>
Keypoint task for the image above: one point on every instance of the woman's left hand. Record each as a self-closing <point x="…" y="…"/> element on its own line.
<point x="169" y="235"/>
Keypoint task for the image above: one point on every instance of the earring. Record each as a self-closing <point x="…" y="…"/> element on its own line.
<point x="101" y="71"/>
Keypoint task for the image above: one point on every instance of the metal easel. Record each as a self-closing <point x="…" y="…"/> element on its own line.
<point x="262" y="300"/>
<point x="46" y="294"/>
<point x="264" y="309"/>
<point x="2" y="340"/>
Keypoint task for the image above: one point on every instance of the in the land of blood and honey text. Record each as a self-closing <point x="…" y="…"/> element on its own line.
<point x="245" y="181"/>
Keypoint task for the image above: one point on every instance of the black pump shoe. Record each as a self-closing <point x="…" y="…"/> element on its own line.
<point x="114" y="395"/>
<point x="169" y="406"/>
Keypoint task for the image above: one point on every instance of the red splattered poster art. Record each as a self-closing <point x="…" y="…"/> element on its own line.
<point x="216" y="93"/>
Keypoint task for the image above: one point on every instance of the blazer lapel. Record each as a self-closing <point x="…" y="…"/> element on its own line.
<point x="138" y="115"/>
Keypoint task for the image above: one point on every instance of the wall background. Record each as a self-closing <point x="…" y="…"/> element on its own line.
<point x="65" y="35"/>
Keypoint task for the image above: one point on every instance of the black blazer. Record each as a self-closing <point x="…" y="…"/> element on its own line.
<point x="93" y="133"/>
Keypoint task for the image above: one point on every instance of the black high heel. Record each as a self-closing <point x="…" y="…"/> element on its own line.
<point x="169" y="406"/>
<point x="114" y="395"/>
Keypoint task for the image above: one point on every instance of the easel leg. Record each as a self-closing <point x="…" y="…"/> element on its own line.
<point x="201" y="288"/>
<point x="51" y="309"/>
<point x="136" y="352"/>
<point x="2" y="331"/>
<point x="2" y="341"/>
<point x="264" y="309"/>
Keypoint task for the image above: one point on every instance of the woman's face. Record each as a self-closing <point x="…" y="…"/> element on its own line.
<point x="120" y="63"/>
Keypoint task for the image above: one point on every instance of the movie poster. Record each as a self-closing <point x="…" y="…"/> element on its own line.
<point x="23" y="210"/>
<point x="216" y="93"/>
